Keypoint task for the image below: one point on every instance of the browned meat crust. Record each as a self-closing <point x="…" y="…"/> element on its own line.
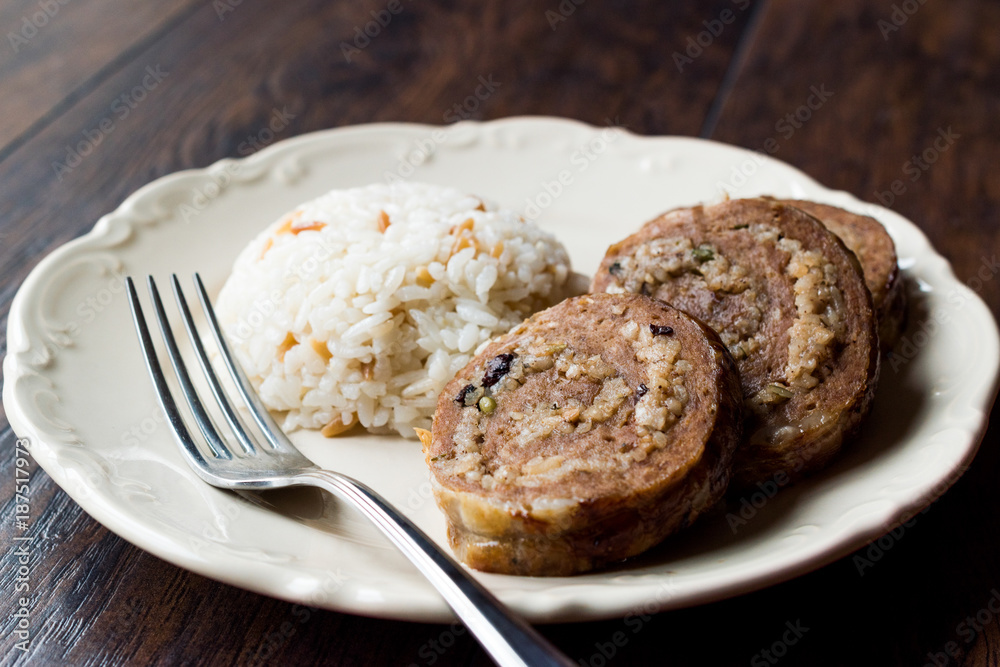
<point x="584" y="436"/>
<point x="789" y="301"/>
<point x="871" y="243"/>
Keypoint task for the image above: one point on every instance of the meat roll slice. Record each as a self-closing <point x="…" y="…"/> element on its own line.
<point x="586" y="435"/>
<point x="868" y="239"/>
<point x="789" y="301"/>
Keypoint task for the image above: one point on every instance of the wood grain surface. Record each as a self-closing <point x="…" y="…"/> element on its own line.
<point x="850" y="91"/>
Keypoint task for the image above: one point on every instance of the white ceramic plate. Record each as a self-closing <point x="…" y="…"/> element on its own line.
<point x="75" y="385"/>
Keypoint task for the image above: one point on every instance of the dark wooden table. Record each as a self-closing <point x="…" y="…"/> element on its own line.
<point x="851" y="92"/>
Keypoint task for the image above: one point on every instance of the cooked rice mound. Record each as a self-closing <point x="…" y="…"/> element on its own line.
<point x="359" y="306"/>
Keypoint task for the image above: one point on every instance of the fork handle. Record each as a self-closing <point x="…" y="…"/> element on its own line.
<point x="508" y="639"/>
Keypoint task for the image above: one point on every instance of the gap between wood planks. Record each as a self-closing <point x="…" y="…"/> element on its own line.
<point x="728" y="82"/>
<point x="93" y="82"/>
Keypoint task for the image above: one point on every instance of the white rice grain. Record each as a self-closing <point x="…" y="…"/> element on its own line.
<point x="399" y="311"/>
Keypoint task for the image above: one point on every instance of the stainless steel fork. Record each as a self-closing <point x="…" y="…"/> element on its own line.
<point x="277" y="463"/>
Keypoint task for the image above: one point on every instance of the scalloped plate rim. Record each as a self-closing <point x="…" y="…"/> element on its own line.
<point x="271" y="579"/>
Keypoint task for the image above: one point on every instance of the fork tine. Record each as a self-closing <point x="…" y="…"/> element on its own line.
<point x="206" y="366"/>
<point x="163" y="395"/>
<point x="201" y="416"/>
<point x="275" y="436"/>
